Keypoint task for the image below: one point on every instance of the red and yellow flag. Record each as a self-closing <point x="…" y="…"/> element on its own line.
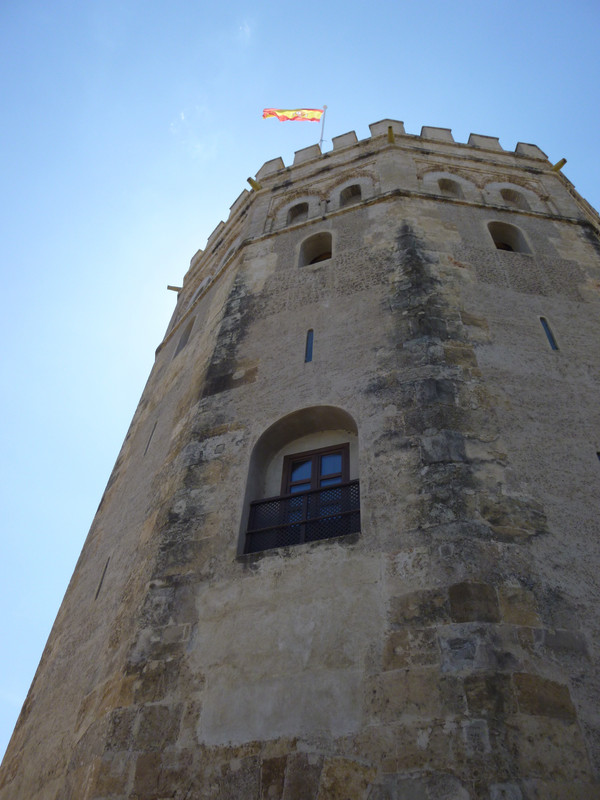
<point x="283" y="114"/>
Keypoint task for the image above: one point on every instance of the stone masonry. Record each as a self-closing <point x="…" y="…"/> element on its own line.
<point x="447" y="649"/>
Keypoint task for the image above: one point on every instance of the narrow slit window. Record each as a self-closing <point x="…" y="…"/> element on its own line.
<point x="308" y="350"/>
<point x="150" y="437"/>
<point x="548" y="332"/>
<point x="102" y="578"/>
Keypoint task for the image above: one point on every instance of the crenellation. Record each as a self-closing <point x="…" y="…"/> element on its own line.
<point x="381" y="128"/>
<point x="238" y="203"/>
<point x="487" y="142"/>
<point x="307" y="154"/>
<point x="530" y="151"/>
<point x="270" y="168"/>
<point x="439" y="134"/>
<point x="345" y="140"/>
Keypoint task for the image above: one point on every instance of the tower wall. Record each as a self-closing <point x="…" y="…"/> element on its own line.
<point x="448" y="648"/>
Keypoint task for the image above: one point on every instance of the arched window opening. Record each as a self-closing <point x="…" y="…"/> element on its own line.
<point x="297" y="213"/>
<point x="349" y="195"/>
<point x="184" y="338"/>
<point x="450" y="188"/>
<point x="303" y="481"/>
<point x="508" y="237"/>
<point x="315" y="249"/>
<point x="514" y="199"/>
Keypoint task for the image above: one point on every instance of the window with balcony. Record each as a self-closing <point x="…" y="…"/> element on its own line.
<point x="318" y="486"/>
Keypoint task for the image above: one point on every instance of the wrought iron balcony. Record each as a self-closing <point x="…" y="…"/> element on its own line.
<point x="303" y="517"/>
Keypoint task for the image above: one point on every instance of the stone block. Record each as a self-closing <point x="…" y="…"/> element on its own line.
<point x="155" y="680"/>
<point x="488" y="142"/>
<point x="409" y="691"/>
<point x="120" y="728"/>
<point x="158" y="726"/>
<point x="441" y="134"/>
<point x="270" y="168"/>
<point x="239" y="202"/>
<point x="112" y="774"/>
<point x="423" y="743"/>
<point x="302" y="776"/>
<point x="381" y="128"/>
<point x="505" y="791"/>
<point x="542" y="697"/>
<point x="539" y="789"/>
<point x="306" y="154"/>
<point x="468" y="647"/>
<point x="513" y="518"/>
<point x="473" y="602"/>
<point x="272" y="777"/>
<point x="489" y="694"/>
<point x="530" y="150"/>
<point x="565" y="641"/>
<point x="549" y="748"/>
<point x="426" y="607"/>
<point x="345" y="140"/>
<point x="147" y="771"/>
<point x="447" y="446"/>
<point x="461" y="355"/>
<point x="434" y="390"/>
<point x="239" y="777"/>
<point x="404" y="788"/>
<point x="341" y="779"/>
<point x="476" y="737"/>
<point x="518" y="606"/>
<point x="411" y="647"/>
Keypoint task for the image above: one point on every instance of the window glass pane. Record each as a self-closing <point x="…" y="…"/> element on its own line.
<point x="331" y="464"/>
<point x="300" y="470"/>
<point x="299" y="487"/>
<point x="330" y="481"/>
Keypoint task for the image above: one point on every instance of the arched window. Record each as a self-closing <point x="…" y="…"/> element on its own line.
<point x="450" y="188"/>
<point x="303" y="481"/>
<point x="514" y="199"/>
<point x="297" y="213"/>
<point x="316" y="248"/>
<point x="349" y="195"/>
<point x="508" y="237"/>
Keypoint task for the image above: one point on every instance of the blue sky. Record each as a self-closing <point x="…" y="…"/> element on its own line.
<point x="128" y="130"/>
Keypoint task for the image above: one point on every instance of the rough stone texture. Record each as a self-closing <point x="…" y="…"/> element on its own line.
<point x="448" y="650"/>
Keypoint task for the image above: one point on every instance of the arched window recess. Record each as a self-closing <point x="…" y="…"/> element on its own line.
<point x="316" y="248"/>
<point x="508" y="237"/>
<point x="303" y="481"/>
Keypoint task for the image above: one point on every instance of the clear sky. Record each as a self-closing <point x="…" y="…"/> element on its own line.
<point x="129" y="128"/>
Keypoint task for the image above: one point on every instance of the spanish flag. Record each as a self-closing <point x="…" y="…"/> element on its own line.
<point x="283" y="114"/>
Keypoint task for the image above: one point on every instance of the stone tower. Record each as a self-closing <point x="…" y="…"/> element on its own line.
<point x="349" y="550"/>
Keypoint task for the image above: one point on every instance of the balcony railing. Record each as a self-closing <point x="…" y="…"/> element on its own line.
<point x="303" y="517"/>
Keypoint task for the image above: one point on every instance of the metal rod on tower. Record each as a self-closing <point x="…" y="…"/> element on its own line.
<point x="322" y="126"/>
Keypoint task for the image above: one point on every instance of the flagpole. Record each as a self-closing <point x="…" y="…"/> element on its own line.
<point x="322" y="126"/>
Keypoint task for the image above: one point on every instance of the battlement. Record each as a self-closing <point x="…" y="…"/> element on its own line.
<point x="394" y="132"/>
<point x="480" y="171"/>
<point x="386" y="133"/>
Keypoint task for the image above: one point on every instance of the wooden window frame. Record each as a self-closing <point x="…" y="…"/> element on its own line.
<point x="314" y="456"/>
